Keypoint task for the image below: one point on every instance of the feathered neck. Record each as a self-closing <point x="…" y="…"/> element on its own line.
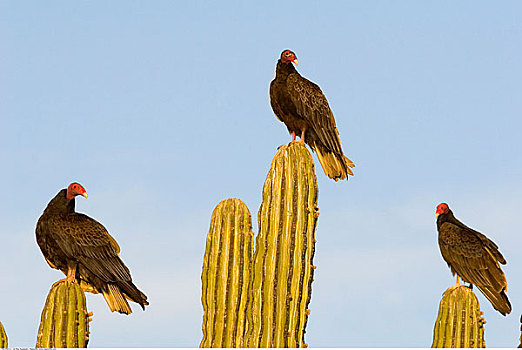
<point x="284" y="69"/>
<point x="60" y="204"/>
<point x="449" y="217"/>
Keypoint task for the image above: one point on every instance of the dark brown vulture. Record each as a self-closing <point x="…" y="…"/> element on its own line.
<point x="302" y="106"/>
<point x="82" y="248"/>
<point x="473" y="257"/>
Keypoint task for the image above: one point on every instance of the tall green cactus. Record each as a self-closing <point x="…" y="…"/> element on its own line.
<point x="283" y="261"/>
<point x="3" y="337"/>
<point x="459" y="323"/>
<point x="226" y="275"/>
<point x="520" y="345"/>
<point x="65" y="321"/>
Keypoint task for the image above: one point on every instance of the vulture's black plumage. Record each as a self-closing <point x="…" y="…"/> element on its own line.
<point x="302" y="106"/>
<point x="473" y="257"/>
<point x="83" y="249"/>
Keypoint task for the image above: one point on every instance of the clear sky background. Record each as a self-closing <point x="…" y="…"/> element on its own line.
<point x="160" y="109"/>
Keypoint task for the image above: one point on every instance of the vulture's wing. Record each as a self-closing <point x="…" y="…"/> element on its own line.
<point x="278" y="111"/>
<point x="490" y="246"/>
<point x="86" y="240"/>
<point x="311" y="104"/>
<point x="467" y="255"/>
<point x="475" y="258"/>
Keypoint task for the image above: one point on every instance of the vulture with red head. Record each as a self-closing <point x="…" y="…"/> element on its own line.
<point x="83" y="250"/>
<point x="473" y="257"/>
<point x="302" y="106"/>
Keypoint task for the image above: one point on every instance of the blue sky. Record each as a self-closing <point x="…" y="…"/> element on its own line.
<point x="160" y="109"/>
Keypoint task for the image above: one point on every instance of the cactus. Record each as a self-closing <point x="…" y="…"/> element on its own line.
<point x="459" y="323"/>
<point x="3" y="337"/>
<point x="226" y="275"/>
<point x="520" y="345"/>
<point x="283" y="266"/>
<point x="65" y="321"/>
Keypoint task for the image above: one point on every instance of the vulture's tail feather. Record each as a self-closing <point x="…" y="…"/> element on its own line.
<point x="335" y="166"/>
<point x="499" y="301"/>
<point x="116" y="300"/>
<point x="132" y="293"/>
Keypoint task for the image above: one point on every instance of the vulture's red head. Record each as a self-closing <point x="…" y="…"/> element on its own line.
<point x="288" y="56"/>
<point x="75" y="189"/>
<point x="442" y="208"/>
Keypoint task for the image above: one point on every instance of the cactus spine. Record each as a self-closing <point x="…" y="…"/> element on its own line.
<point x="283" y="266"/>
<point x="3" y="337"/>
<point x="65" y="321"/>
<point x="226" y="275"/>
<point x="459" y="323"/>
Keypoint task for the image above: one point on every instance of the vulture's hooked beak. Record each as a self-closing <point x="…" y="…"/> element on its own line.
<point x="437" y="215"/>
<point x="296" y="62"/>
<point x="85" y="194"/>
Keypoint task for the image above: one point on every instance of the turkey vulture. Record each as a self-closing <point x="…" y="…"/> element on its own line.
<point x="473" y="257"/>
<point x="82" y="248"/>
<point x="302" y="106"/>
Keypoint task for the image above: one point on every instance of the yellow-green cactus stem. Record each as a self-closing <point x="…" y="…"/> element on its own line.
<point x="520" y="345"/>
<point x="65" y="321"/>
<point x="283" y="261"/>
<point x="459" y="323"/>
<point x="3" y="337"/>
<point x="226" y="273"/>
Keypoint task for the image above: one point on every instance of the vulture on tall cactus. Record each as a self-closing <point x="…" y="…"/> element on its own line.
<point x="473" y="257"/>
<point x="302" y="106"/>
<point x="82" y="249"/>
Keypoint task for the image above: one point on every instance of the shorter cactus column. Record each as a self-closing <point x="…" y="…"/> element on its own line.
<point x="3" y="337"/>
<point x="459" y="323"/>
<point x="226" y="275"/>
<point x="65" y="321"/>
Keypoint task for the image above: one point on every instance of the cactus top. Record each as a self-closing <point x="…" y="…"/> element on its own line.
<point x="82" y="248"/>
